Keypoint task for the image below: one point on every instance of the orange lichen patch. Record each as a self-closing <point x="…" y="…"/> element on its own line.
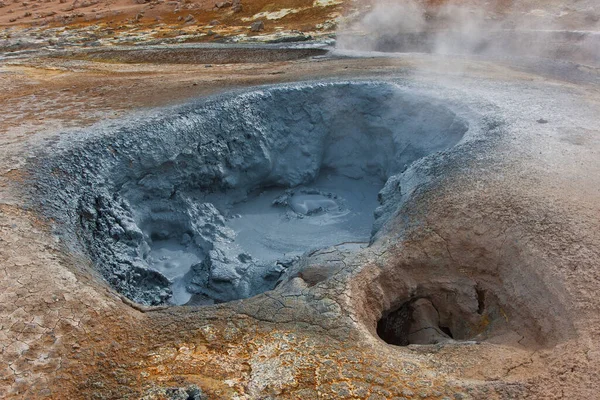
<point x="7" y="209"/>
<point x="124" y="15"/>
<point x="237" y="359"/>
<point x="119" y="16"/>
<point x="16" y="175"/>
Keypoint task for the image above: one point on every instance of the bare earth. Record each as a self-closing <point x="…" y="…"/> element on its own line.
<point x="529" y="216"/>
<point x="66" y="335"/>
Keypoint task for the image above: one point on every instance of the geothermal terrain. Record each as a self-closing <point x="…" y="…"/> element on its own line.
<point x="299" y="199"/>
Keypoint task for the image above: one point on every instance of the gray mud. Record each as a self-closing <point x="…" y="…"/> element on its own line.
<point x="213" y="201"/>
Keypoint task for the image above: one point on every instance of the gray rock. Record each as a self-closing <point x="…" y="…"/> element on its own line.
<point x="425" y="328"/>
<point x="257" y="26"/>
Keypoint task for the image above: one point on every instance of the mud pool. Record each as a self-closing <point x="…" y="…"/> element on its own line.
<point x="213" y="201"/>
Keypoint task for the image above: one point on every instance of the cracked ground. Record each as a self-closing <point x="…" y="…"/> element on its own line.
<point x="524" y="218"/>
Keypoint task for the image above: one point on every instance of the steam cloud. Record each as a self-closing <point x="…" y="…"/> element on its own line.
<point x="409" y="25"/>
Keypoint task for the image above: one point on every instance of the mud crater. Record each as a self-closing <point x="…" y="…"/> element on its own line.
<point x="212" y="202"/>
<point x="438" y="318"/>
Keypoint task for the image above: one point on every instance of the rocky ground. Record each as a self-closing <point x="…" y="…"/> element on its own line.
<point x="59" y="23"/>
<point x="519" y="219"/>
<point x="94" y="23"/>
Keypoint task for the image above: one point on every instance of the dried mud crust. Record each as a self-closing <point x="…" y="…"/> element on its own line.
<point x="87" y="343"/>
<point x="65" y="335"/>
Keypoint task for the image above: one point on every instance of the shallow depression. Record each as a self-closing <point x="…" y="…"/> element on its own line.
<point x="213" y="202"/>
<point x="270" y="228"/>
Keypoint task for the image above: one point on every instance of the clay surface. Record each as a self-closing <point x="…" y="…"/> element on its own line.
<point x="491" y="238"/>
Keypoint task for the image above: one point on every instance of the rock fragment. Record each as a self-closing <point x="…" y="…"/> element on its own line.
<point x="223" y="4"/>
<point x="257" y="26"/>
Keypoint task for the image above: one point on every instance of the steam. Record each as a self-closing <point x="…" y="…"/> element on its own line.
<point x="412" y="26"/>
<point x="393" y="18"/>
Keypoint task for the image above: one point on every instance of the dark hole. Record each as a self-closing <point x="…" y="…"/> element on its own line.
<point x="480" y="300"/>
<point x="417" y="321"/>
<point x="447" y="331"/>
<point x="394" y="327"/>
